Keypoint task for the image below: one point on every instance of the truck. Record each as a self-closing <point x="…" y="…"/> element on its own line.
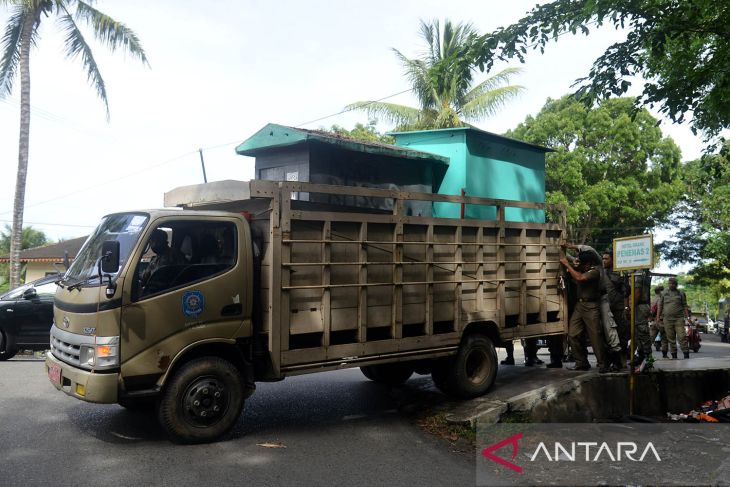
<point x="257" y="283"/>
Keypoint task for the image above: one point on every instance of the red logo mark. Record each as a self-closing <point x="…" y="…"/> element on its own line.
<point x="487" y="452"/>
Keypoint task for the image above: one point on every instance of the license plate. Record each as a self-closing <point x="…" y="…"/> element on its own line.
<point x="54" y="373"/>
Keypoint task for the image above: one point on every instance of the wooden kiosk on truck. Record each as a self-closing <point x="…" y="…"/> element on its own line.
<point x="314" y="281"/>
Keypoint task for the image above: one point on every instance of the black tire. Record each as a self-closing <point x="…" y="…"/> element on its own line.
<point x="5" y="354"/>
<point x="696" y="348"/>
<point x="201" y="401"/>
<point x="389" y="374"/>
<point x="138" y="404"/>
<point x="472" y="371"/>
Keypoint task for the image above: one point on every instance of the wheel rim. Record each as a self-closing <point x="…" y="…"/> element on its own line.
<point x="205" y="401"/>
<point x="477" y="366"/>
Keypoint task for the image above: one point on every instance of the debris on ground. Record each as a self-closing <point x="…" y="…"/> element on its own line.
<point x="271" y="445"/>
<point x="708" y="412"/>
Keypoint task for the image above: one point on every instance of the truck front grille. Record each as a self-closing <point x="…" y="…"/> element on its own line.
<point x="65" y="351"/>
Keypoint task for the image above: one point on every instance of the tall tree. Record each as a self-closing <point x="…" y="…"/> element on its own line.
<point x="702" y="219"/>
<point x="680" y="48"/>
<point x="442" y="80"/>
<point x="21" y="33"/>
<point x="613" y="169"/>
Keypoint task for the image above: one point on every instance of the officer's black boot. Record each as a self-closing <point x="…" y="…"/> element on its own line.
<point x="664" y="355"/>
<point x="617" y="361"/>
<point x="686" y="354"/>
<point x="674" y="355"/>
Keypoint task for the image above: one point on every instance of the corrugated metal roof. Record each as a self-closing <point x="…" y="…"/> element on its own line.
<point x="50" y="253"/>
<point x="276" y="136"/>
<point x="478" y="133"/>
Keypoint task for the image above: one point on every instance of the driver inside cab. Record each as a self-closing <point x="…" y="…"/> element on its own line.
<point x="164" y="255"/>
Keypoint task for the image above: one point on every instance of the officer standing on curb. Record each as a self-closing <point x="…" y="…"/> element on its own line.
<point x="642" y="297"/>
<point x="658" y="328"/>
<point x="586" y="316"/>
<point x="672" y="311"/>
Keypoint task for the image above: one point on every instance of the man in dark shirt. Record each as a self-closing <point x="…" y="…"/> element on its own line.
<point x="164" y="255"/>
<point x="586" y="316"/>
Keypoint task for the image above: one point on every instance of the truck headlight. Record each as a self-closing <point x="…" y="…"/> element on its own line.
<point x="86" y="355"/>
<point x="98" y="355"/>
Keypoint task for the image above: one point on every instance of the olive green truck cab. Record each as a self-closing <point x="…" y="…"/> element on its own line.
<point x="185" y="311"/>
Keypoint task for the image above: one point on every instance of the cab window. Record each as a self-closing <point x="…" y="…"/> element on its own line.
<point x="181" y="253"/>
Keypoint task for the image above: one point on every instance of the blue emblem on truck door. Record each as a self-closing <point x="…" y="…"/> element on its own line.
<point x="193" y="303"/>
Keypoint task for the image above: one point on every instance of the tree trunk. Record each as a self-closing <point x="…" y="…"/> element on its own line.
<point x="16" y="240"/>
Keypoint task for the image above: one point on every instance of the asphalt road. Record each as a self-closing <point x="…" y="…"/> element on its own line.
<point x="338" y="429"/>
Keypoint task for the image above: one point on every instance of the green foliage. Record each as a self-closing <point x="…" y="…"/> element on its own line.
<point x="703" y="220"/>
<point x="366" y="133"/>
<point x="69" y="13"/>
<point x="31" y="238"/>
<point x="681" y="49"/>
<point x="442" y="80"/>
<point x="612" y="167"/>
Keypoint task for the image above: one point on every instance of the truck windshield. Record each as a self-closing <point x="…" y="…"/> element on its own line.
<point x="124" y="228"/>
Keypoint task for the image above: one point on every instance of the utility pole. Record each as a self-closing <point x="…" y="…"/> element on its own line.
<point x="202" y="163"/>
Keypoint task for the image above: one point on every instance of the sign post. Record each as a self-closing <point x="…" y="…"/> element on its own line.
<point x="633" y="254"/>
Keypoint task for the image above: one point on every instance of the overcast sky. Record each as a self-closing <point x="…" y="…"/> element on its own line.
<point x="220" y="70"/>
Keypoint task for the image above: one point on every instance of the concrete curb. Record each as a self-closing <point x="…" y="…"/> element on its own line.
<point x="537" y="402"/>
<point x="490" y="412"/>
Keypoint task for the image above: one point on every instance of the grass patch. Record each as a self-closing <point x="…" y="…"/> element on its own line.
<point x="515" y="417"/>
<point x="437" y="425"/>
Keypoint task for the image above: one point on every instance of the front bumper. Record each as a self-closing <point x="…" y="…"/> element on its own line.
<point x="97" y="387"/>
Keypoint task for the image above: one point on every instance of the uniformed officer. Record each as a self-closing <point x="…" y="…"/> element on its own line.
<point x="642" y="310"/>
<point x="586" y="316"/>
<point x="617" y="294"/>
<point x="672" y="311"/>
<point x="658" y="328"/>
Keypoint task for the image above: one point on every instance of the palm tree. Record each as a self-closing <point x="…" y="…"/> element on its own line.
<point x="21" y="33"/>
<point x="441" y="79"/>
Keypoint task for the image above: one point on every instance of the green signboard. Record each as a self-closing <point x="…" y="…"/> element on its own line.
<point x="631" y="253"/>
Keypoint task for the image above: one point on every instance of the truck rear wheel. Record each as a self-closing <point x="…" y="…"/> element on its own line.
<point x="471" y="372"/>
<point x="202" y="400"/>
<point x="390" y="374"/>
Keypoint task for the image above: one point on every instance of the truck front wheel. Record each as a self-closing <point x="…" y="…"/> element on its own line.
<point x="201" y="401"/>
<point x="471" y="372"/>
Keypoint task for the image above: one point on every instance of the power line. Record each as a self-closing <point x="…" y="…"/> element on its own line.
<point x="51" y="224"/>
<point x="104" y="183"/>
<point x="345" y="110"/>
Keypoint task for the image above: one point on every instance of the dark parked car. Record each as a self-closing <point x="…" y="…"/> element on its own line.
<point x="26" y="316"/>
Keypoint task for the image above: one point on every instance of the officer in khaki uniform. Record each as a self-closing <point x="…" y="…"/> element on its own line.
<point x="657" y="328"/>
<point x="672" y="311"/>
<point x="642" y="310"/>
<point x="586" y="316"/>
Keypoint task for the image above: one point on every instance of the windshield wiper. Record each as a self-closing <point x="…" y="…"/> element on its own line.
<point x="80" y="282"/>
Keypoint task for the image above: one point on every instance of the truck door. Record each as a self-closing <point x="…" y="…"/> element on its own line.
<point x="187" y="286"/>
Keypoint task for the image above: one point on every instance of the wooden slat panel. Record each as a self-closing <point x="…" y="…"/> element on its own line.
<point x="327" y="293"/>
<point x="362" y="301"/>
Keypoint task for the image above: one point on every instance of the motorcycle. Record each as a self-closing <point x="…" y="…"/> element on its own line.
<point x="693" y="336"/>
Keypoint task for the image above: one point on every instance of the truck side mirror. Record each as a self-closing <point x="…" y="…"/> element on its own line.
<point x="110" y="257"/>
